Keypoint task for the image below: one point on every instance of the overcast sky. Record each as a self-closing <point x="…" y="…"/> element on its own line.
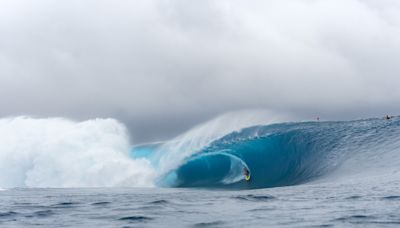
<point x="161" y="66"/>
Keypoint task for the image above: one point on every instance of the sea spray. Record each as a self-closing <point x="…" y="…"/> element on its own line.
<point x="56" y="152"/>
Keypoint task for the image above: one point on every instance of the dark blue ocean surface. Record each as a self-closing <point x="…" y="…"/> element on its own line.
<point x="310" y="205"/>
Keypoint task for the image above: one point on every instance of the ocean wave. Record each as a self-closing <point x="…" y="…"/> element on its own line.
<point x="57" y="152"/>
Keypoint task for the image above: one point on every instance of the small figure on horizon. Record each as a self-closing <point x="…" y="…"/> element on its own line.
<point x="387" y="117"/>
<point x="317" y="118"/>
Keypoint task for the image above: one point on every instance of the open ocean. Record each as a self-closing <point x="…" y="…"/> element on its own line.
<point x="351" y="204"/>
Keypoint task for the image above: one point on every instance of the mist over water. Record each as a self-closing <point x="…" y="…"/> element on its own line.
<point x="57" y="152"/>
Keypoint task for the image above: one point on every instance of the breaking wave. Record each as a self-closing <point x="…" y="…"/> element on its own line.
<point x="285" y="154"/>
<point x="57" y="152"/>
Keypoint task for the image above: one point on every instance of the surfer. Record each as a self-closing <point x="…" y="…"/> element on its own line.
<point x="246" y="173"/>
<point x="387" y="117"/>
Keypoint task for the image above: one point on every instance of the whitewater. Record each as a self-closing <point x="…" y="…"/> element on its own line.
<point x="60" y="172"/>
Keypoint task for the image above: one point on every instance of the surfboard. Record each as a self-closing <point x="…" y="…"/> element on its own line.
<point x="247" y="177"/>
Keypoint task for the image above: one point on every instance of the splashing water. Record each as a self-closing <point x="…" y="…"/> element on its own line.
<point x="57" y="152"/>
<point x="63" y="153"/>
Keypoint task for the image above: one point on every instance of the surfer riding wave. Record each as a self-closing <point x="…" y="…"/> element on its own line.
<point x="246" y="174"/>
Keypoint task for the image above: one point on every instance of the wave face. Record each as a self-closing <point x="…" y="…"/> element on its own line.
<point x="58" y="152"/>
<point x="286" y="154"/>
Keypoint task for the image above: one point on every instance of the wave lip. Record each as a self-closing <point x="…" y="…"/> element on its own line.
<point x="288" y="154"/>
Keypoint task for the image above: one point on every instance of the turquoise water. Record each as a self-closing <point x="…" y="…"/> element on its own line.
<point x="281" y="154"/>
<point x="304" y="174"/>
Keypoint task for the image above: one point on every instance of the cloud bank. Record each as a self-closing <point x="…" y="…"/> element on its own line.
<point x="161" y="66"/>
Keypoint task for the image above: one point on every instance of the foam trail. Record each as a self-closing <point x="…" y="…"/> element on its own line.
<point x="57" y="152"/>
<point x="236" y="169"/>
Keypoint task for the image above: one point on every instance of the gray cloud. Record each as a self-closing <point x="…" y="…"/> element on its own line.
<point x="161" y="66"/>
